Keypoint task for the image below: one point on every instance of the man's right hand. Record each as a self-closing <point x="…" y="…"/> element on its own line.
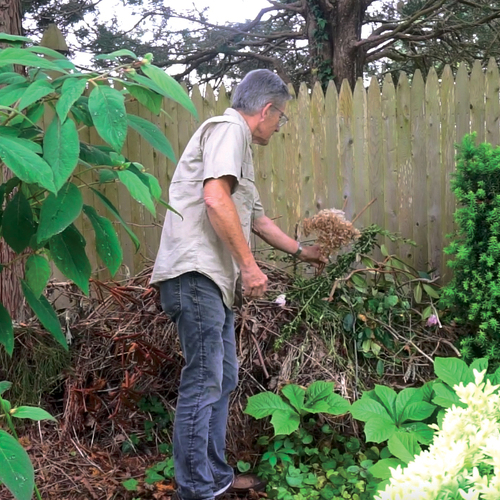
<point x="254" y="281"/>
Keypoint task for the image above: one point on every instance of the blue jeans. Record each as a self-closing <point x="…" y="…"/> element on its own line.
<point x="206" y="331"/>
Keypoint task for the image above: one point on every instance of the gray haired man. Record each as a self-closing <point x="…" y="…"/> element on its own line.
<point x="200" y="258"/>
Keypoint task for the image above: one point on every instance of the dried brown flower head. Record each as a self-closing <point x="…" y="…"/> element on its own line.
<point x="333" y="231"/>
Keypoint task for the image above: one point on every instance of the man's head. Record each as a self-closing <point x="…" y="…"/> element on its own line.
<point x="261" y="98"/>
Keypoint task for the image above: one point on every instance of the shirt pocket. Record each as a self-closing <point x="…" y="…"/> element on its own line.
<point x="247" y="171"/>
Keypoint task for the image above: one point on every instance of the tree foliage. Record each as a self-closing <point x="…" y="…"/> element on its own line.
<point x="42" y="201"/>
<point x="303" y="40"/>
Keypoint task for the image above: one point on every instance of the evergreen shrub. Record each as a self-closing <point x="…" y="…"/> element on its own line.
<point x="473" y="295"/>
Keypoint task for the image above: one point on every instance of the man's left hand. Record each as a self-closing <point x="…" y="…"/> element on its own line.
<point x="312" y="255"/>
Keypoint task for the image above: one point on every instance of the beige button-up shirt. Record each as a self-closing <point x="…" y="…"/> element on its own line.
<point x="221" y="146"/>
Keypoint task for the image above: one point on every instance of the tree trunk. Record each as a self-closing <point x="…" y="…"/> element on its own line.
<point x="333" y="28"/>
<point x="10" y="291"/>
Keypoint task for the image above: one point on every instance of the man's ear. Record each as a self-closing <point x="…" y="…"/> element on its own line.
<point x="266" y="110"/>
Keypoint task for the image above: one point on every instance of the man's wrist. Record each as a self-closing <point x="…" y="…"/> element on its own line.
<point x="299" y="250"/>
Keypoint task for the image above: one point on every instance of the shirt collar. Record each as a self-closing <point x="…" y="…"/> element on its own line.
<point x="236" y="114"/>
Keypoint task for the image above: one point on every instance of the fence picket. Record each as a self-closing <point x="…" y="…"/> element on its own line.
<point x="406" y="193"/>
<point x="390" y="142"/>
<point x="447" y="159"/>
<point x="419" y="165"/>
<point x="360" y="158"/>
<point x="492" y="107"/>
<point x="375" y="153"/>
<point x="477" y="114"/>
<point x="434" y="175"/>
<point x="345" y="117"/>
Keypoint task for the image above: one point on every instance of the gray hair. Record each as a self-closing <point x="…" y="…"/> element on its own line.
<point x="258" y="88"/>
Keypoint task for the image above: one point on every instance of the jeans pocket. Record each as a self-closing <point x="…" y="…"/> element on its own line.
<point x="170" y="296"/>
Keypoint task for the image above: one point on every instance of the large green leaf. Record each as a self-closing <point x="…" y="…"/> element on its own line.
<point x="17" y="222"/>
<point x="337" y="405"/>
<point x="25" y="164"/>
<point x="137" y="189"/>
<point x="146" y="97"/>
<point x="387" y="396"/>
<point x="150" y="181"/>
<point x="446" y="397"/>
<point x="12" y="93"/>
<point x="45" y="313"/>
<point x="68" y="252"/>
<point x="170" y="87"/>
<point x="404" y="445"/>
<point x="105" y="201"/>
<point x="37" y="273"/>
<point x="95" y="156"/>
<point x="16" y="471"/>
<point x="295" y="395"/>
<point x="452" y="371"/>
<point x="405" y="397"/>
<point x="317" y="391"/>
<point x="479" y="364"/>
<point x="107" y="108"/>
<point x="417" y="411"/>
<point x="34" y="92"/>
<point x="6" y="331"/>
<point x="38" y="49"/>
<point x="423" y="432"/>
<point x="117" y="53"/>
<point x="32" y="412"/>
<point x="264" y="404"/>
<point x="365" y="409"/>
<point x="11" y="78"/>
<point x="58" y="212"/>
<point x="8" y="38"/>
<point x="24" y="57"/>
<point x="61" y="147"/>
<point x="285" y="421"/>
<point x="106" y="240"/>
<point x="152" y="134"/>
<point x="382" y="469"/>
<point x="379" y="429"/>
<point x="154" y="186"/>
<point x="4" y="386"/>
<point x="71" y="90"/>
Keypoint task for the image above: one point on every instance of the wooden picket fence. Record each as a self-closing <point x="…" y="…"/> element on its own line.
<point x="392" y="143"/>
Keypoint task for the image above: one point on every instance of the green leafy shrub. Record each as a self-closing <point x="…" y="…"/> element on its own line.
<point x="51" y="167"/>
<point x="473" y="295"/>
<point x="16" y="471"/>
<point x="317" y="398"/>
<point x="397" y="419"/>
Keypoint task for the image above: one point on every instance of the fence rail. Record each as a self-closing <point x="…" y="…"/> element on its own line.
<point x="392" y="142"/>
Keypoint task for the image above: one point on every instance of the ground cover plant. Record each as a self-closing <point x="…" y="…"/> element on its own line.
<point x="16" y="472"/>
<point x="473" y="295"/>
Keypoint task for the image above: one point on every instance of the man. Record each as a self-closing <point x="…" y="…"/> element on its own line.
<point x="200" y="258"/>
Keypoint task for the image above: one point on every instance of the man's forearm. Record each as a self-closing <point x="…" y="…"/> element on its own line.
<point x="267" y="230"/>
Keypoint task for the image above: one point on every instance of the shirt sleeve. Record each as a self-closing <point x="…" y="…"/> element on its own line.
<point x="258" y="209"/>
<point x="223" y="149"/>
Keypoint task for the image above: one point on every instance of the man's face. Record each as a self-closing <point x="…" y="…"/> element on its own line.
<point x="271" y="119"/>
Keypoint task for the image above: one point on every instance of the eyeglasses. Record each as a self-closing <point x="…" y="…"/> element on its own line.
<point x="283" y="118"/>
